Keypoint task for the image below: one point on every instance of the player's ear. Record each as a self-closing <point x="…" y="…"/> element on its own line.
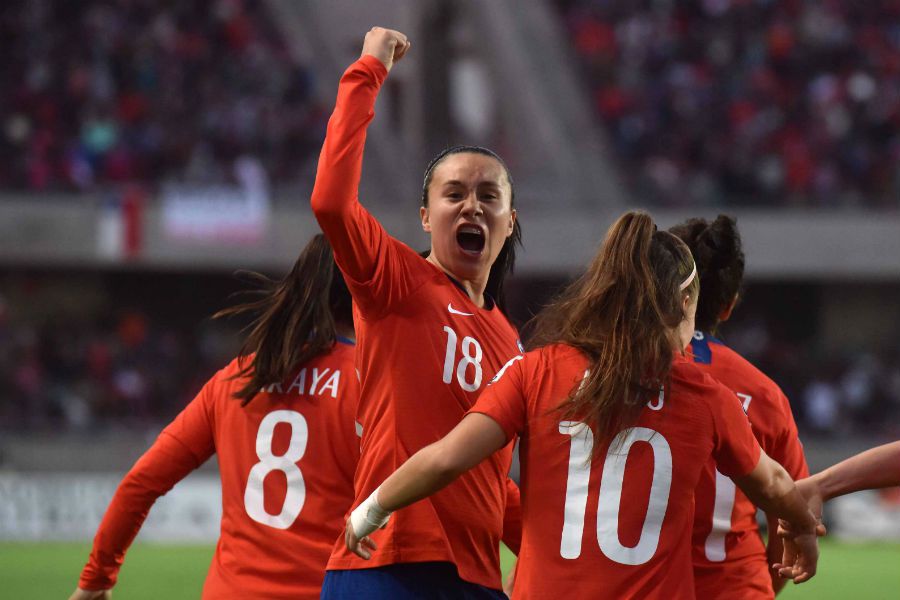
<point x="426" y="221"/>
<point x="512" y="222"/>
<point x="726" y="312"/>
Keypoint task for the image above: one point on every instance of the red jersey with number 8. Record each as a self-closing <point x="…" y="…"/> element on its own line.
<point x="617" y="525"/>
<point x="425" y="351"/>
<point x="286" y="462"/>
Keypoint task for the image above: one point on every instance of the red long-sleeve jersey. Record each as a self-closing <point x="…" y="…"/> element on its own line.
<point x="729" y="555"/>
<point x="425" y="351"/>
<point x="286" y="462"/>
<point x="614" y="523"/>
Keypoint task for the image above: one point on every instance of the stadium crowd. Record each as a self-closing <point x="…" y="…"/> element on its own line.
<point x="130" y="371"/>
<point x="710" y="102"/>
<point x="108" y="91"/>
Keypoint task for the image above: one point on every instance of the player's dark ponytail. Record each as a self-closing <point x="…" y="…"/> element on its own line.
<point x="506" y="261"/>
<point x="622" y="314"/>
<point x="294" y="318"/>
<point x="717" y="249"/>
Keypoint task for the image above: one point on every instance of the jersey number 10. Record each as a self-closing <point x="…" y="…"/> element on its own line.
<point x="582" y="446"/>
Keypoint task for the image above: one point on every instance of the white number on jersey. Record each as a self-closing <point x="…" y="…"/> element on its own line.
<point x="471" y="356"/>
<point x="582" y="444"/>
<point x="286" y="463"/>
<point x="721" y="519"/>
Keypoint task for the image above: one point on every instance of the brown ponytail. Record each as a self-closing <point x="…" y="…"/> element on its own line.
<point x="295" y="317"/>
<point x="621" y="314"/>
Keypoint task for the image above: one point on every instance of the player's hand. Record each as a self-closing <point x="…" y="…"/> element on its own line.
<point x="809" y="487"/>
<point x="80" y="594"/>
<point x="387" y="45"/>
<point x="801" y="555"/>
<point x="363" y="548"/>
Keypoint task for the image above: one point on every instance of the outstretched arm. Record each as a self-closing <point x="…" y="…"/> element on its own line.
<point x="183" y="446"/>
<point x="872" y="469"/>
<point x="430" y="469"/>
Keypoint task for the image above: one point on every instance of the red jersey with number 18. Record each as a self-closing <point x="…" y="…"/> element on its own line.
<point x="729" y="556"/>
<point x="617" y="525"/>
<point x="286" y="462"/>
<point x="425" y="351"/>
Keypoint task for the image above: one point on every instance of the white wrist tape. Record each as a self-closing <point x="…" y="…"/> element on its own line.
<point x="369" y="516"/>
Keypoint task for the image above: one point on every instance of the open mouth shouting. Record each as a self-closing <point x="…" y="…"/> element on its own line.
<point x="470" y="239"/>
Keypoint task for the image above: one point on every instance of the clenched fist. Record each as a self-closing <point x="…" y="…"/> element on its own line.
<point x="387" y="45"/>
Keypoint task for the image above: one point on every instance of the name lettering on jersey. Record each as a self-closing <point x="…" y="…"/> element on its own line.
<point x="453" y="311"/>
<point x="745" y="401"/>
<point x="659" y="402"/>
<point x="331" y="383"/>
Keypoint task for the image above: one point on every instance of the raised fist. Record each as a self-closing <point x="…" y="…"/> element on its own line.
<point x="387" y="45"/>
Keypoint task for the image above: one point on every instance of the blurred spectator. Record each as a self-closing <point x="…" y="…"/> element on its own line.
<point x="87" y="375"/>
<point x="108" y="91"/>
<point x="747" y="101"/>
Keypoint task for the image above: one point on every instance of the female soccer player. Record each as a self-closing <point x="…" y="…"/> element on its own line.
<point x="281" y="419"/>
<point x="431" y="332"/>
<point x="730" y="560"/>
<point x="615" y="428"/>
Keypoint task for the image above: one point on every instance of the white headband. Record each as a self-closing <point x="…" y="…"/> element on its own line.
<point x="689" y="279"/>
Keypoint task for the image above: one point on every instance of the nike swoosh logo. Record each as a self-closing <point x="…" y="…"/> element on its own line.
<point x="453" y="311"/>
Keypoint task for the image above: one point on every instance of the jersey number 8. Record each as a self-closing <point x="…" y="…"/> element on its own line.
<point x="286" y="463"/>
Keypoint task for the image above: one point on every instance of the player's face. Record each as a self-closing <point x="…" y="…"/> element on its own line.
<point x="469" y="214"/>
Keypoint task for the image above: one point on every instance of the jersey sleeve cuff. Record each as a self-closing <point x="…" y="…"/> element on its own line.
<point x="373" y="67"/>
<point x="494" y="415"/>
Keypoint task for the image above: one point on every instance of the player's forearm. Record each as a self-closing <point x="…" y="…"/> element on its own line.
<point x="166" y="462"/>
<point x="771" y="488"/>
<point x="427" y="472"/>
<point x="872" y="469"/>
<point x="340" y="162"/>
<point x="120" y="525"/>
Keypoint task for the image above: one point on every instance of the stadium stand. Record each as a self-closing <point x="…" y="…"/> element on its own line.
<point x="723" y="102"/>
<point x="99" y="93"/>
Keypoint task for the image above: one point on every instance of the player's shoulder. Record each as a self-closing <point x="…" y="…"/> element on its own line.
<point x="693" y="386"/>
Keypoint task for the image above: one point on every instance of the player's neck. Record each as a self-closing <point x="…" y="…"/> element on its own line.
<point x="345" y="330"/>
<point x="473" y="287"/>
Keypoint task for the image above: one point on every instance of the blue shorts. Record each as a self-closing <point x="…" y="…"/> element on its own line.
<point x="405" y="581"/>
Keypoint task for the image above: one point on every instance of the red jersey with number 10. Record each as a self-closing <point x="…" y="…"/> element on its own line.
<point x="286" y="461"/>
<point x="617" y="526"/>
<point x="729" y="555"/>
<point x="425" y="351"/>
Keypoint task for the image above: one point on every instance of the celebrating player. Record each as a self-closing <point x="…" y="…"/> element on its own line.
<point x="616" y="426"/>
<point x="729" y="557"/>
<point x="431" y="332"/>
<point x="281" y="419"/>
